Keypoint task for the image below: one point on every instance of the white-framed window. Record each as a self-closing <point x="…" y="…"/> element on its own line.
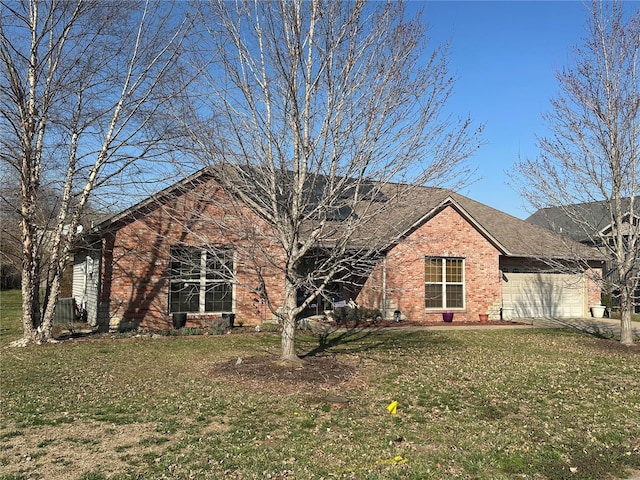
<point x="444" y="282"/>
<point x="201" y="280"/>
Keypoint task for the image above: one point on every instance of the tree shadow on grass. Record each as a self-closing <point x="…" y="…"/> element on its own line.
<point x="357" y="339"/>
<point x="597" y="461"/>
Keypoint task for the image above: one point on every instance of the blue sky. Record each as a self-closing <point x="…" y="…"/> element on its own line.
<point x="505" y="55"/>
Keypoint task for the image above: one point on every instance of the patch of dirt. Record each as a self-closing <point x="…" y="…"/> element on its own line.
<point x="69" y="450"/>
<point x="272" y="374"/>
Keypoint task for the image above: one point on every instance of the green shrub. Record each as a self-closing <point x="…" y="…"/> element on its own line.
<point x="190" y="331"/>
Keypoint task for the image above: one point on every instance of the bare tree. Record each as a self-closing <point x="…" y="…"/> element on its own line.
<point x="10" y="237"/>
<point x="83" y="82"/>
<point x="308" y="112"/>
<point x="591" y="156"/>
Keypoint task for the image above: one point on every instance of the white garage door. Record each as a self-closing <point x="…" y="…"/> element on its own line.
<point x="544" y="294"/>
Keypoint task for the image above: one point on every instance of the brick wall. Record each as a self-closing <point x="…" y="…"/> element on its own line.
<point x="447" y="234"/>
<point x="135" y="290"/>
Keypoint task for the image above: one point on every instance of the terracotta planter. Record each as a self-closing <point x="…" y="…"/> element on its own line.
<point x="484" y="318"/>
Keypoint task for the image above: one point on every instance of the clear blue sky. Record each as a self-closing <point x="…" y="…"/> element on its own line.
<point x="505" y="55"/>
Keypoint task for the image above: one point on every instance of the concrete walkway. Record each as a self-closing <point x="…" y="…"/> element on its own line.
<point x="605" y="327"/>
<point x="596" y="326"/>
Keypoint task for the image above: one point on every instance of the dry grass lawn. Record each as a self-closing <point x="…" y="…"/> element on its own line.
<point x="506" y="404"/>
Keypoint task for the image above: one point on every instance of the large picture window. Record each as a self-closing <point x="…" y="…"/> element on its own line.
<point x="201" y="280"/>
<point x="444" y="282"/>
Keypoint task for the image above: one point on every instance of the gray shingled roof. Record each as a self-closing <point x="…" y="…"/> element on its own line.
<point x="521" y="238"/>
<point x="510" y="235"/>
<point x="402" y="208"/>
<point x="595" y="214"/>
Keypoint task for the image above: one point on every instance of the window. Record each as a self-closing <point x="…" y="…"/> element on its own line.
<point x="200" y="280"/>
<point x="444" y="282"/>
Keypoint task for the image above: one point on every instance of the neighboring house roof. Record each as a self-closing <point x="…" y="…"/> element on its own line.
<point x="559" y="220"/>
<point x="404" y="208"/>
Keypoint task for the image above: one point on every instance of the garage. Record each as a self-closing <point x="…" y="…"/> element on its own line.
<point x="544" y="294"/>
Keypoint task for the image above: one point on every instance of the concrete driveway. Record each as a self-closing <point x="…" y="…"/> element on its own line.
<point x="596" y="326"/>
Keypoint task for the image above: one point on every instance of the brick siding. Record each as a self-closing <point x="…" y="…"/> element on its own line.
<point x="447" y="234"/>
<point x="135" y="289"/>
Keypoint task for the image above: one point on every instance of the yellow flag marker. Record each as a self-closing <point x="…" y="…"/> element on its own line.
<point x="397" y="460"/>
<point x="393" y="407"/>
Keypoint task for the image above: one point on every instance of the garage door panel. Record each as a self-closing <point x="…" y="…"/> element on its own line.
<point x="544" y="294"/>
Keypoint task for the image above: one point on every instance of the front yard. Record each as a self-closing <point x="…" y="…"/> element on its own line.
<point x="497" y="404"/>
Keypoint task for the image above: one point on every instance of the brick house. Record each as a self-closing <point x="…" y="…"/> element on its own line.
<point x="442" y="252"/>
<point x="467" y="258"/>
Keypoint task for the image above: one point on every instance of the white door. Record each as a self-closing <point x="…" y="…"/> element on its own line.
<point x="544" y="294"/>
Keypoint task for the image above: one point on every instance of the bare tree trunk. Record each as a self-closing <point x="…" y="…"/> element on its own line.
<point x="289" y="323"/>
<point x="38" y="309"/>
<point x="49" y="308"/>
<point x="626" y="309"/>
<point x="30" y="294"/>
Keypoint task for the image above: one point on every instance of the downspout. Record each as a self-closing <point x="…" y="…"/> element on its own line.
<point x="384" y="287"/>
<point x="85" y="281"/>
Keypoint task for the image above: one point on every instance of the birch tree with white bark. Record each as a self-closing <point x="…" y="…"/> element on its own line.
<point x="591" y="155"/>
<point x="83" y="86"/>
<point x="317" y="107"/>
